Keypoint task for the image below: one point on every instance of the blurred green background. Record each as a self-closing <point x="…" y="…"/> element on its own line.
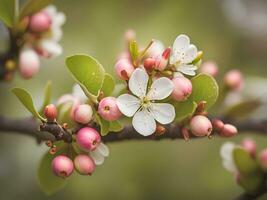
<point x="135" y="170"/>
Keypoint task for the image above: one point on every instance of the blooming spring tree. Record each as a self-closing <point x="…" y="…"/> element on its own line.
<point x="164" y="92"/>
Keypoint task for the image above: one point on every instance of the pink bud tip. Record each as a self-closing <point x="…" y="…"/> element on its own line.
<point x="62" y="166"/>
<point x="228" y="130"/>
<point x="29" y="63"/>
<point x="84" y="165"/>
<point x="124" y="69"/>
<point x="182" y="88"/>
<point x="88" y="138"/>
<point x="50" y="112"/>
<point x="108" y="109"/>
<point x="233" y="79"/>
<point x="210" y="68"/>
<point x="130" y="35"/>
<point x="40" y="22"/>
<point x="217" y="124"/>
<point x="149" y="63"/>
<point x="166" y="53"/>
<point x="250" y="146"/>
<point x="200" y="126"/>
<point x="83" y="114"/>
<point x="263" y="159"/>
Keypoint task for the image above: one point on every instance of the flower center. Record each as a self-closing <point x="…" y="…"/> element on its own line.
<point x="145" y="102"/>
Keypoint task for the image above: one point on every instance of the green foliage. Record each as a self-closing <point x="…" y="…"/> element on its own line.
<point x="48" y="182"/>
<point x="243" y="109"/>
<point x="115" y="126"/>
<point x="205" y="88"/>
<point x="64" y="112"/>
<point x="26" y="99"/>
<point x="8" y="11"/>
<point x="184" y="109"/>
<point x="88" y="72"/>
<point x="251" y="176"/>
<point x="106" y="126"/>
<point x="47" y="95"/>
<point x="33" y="6"/>
<point x="108" y="85"/>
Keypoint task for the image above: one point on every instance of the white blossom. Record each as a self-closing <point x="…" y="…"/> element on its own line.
<point x="142" y="107"/>
<point x="226" y="153"/>
<point x="99" y="154"/>
<point x="183" y="53"/>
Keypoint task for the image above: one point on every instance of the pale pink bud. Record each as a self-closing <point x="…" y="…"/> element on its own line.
<point x="233" y="79"/>
<point x="40" y="22"/>
<point x="108" y="109"/>
<point x="88" y="138"/>
<point x="162" y="61"/>
<point x="130" y="35"/>
<point x="124" y="55"/>
<point x="250" y="146"/>
<point x="200" y="126"/>
<point x="29" y="63"/>
<point x="263" y="159"/>
<point x="210" y="68"/>
<point x="217" y="124"/>
<point x="228" y="130"/>
<point x="182" y="88"/>
<point x="84" y="165"/>
<point x="62" y="166"/>
<point x="50" y="112"/>
<point x="124" y="69"/>
<point x="149" y="64"/>
<point x="83" y="114"/>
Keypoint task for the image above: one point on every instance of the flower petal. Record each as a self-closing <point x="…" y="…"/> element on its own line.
<point x="51" y="47"/>
<point x="190" y="54"/>
<point x="79" y="93"/>
<point x="227" y="150"/>
<point x="103" y="149"/>
<point x="187" y="69"/>
<point x="128" y="104"/>
<point x="181" y="43"/>
<point x="138" y="82"/>
<point x="144" y="123"/>
<point x="97" y="157"/>
<point x="160" y="89"/>
<point x="164" y="113"/>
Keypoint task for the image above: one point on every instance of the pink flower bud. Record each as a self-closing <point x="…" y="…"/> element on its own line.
<point x="182" y="88"/>
<point x="166" y="53"/>
<point x="83" y="114"/>
<point x="250" y="146"/>
<point x="108" y="109"/>
<point x="124" y="69"/>
<point x="130" y="35"/>
<point x="263" y="159"/>
<point x="162" y="61"/>
<point x="62" y="166"/>
<point x="210" y="68"/>
<point x="200" y="126"/>
<point x="88" y="138"/>
<point x="84" y="164"/>
<point x="233" y="79"/>
<point x="50" y="112"/>
<point x="217" y="124"/>
<point x="149" y="64"/>
<point x="29" y="63"/>
<point x="40" y="22"/>
<point x="228" y="130"/>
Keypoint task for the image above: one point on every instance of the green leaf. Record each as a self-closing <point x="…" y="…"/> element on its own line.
<point x="104" y="125"/>
<point x="205" y="88"/>
<point x="108" y="85"/>
<point x="47" y="95"/>
<point x="119" y="89"/>
<point x="26" y="99"/>
<point x="115" y="126"/>
<point x="252" y="184"/>
<point x="33" y="6"/>
<point x="88" y="72"/>
<point x="184" y="109"/>
<point x="48" y="182"/>
<point x="8" y="11"/>
<point x="134" y="51"/>
<point x="243" y="109"/>
<point x="64" y="114"/>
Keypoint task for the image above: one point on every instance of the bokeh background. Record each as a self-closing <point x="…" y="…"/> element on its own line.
<point x="231" y="32"/>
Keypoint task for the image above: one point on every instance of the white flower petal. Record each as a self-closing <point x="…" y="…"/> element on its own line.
<point x="59" y="19"/>
<point x="187" y="69"/>
<point x="97" y="157"/>
<point x="177" y="74"/>
<point x="144" y="123"/>
<point x="51" y="11"/>
<point x="229" y="166"/>
<point x="181" y="43"/>
<point x="190" y="54"/>
<point x="164" y="113"/>
<point x="103" y="149"/>
<point x="160" y="89"/>
<point x="51" y="47"/>
<point x="138" y="82"/>
<point x="227" y="150"/>
<point x="56" y="34"/>
<point x="156" y="49"/>
<point x="128" y="104"/>
<point x="79" y="93"/>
